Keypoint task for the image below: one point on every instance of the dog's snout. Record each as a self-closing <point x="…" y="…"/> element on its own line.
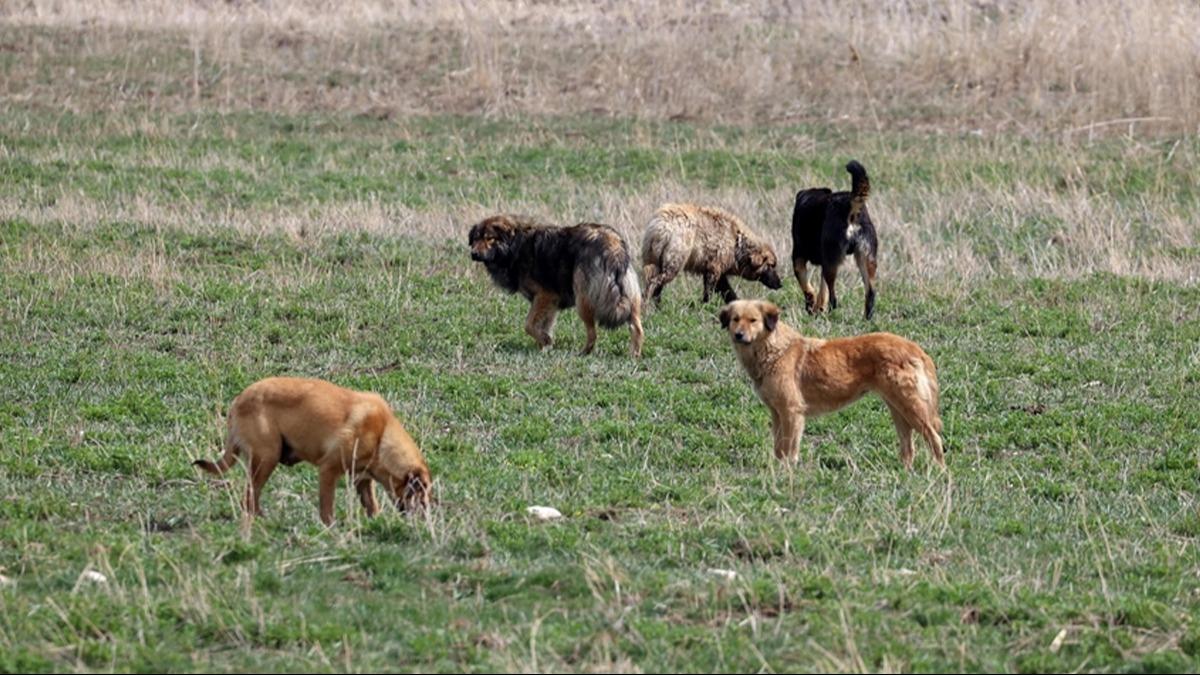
<point x="741" y="337"/>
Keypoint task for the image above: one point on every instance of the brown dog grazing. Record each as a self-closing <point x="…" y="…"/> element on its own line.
<point x="288" y="420"/>
<point x="706" y="241"/>
<point x="799" y="377"/>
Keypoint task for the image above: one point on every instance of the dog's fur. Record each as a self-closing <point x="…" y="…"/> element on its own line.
<point x="286" y="420"/>
<point x="557" y="267"/>
<point x="799" y="377"/>
<point x="707" y="241"/>
<point x="826" y="227"/>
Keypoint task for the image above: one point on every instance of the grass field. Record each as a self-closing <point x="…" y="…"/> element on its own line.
<point x="155" y="261"/>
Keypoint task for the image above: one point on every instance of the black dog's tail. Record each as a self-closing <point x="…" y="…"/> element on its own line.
<point x="860" y="187"/>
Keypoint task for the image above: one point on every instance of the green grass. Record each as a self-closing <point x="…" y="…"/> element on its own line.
<point x="257" y="159"/>
<point x="1071" y="408"/>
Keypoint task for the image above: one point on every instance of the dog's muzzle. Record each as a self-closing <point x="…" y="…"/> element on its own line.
<point x="477" y="256"/>
<point x="771" y="280"/>
<point x="741" y="338"/>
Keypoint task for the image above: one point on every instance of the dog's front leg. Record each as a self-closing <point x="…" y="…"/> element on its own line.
<point x="800" y="267"/>
<point x="725" y="289"/>
<point x="776" y="428"/>
<point x="710" y="282"/>
<point x="541" y="316"/>
<point x="587" y="314"/>
<point x="787" y="441"/>
<point x="327" y="481"/>
<point x="260" y="468"/>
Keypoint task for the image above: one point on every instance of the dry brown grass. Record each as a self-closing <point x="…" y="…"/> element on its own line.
<point x="992" y="65"/>
<point x="926" y="235"/>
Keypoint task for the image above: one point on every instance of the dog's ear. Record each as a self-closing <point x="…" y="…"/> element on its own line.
<point x="724" y="317"/>
<point x="770" y="316"/>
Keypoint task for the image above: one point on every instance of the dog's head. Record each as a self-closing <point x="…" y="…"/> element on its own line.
<point x="748" y="320"/>
<point x="491" y="238"/>
<point x="411" y="491"/>
<point x="759" y="264"/>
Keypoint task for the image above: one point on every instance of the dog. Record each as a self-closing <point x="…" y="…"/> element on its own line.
<point x="827" y="226"/>
<point x="707" y="241"/>
<point x="799" y="377"/>
<point x="559" y="267"/>
<point x="287" y="420"/>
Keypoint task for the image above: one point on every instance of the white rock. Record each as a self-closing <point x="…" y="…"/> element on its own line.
<point x="93" y="576"/>
<point x="724" y="574"/>
<point x="544" y="512"/>
<point x="5" y="582"/>
<point x="1057" y="643"/>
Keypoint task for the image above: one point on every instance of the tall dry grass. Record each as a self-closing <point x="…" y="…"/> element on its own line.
<point x="991" y="65"/>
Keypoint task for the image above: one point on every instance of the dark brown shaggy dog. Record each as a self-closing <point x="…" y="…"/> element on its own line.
<point x="826" y="227"/>
<point x="706" y="241"/>
<point x="799" y="377"/>
<point x="287" y="420"/>
<point x="557" y="267"/>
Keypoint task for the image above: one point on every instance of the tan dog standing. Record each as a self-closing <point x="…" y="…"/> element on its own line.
<point x="799" y="377"/>
<point x="289" y="420"/>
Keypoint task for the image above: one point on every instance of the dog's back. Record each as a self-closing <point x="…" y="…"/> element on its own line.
<point x="310" y="416"/>
<point x="808" y="220"/>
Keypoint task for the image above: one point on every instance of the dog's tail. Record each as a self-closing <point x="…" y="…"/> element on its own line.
<point x="222" y="465"/>
<point x="611" y="285"/>
<point x="860" y="186"/>
<point x="927" y="384"/>
<point x="654" y="242"/>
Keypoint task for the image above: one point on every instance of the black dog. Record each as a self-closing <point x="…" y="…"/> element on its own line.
<point x="826" y="227"/>
<point x="587" y="265"/>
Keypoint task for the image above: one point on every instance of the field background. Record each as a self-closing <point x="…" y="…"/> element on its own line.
<point x="194" y="195"/>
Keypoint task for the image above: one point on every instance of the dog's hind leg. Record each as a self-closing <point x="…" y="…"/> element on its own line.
<point x="800" y="268"/>
<point x="260" y="469"/>
<point x="904" y="432"/>
<point x="866" y="267"/>
<point x="913" y="402"/>
<point x="636" y="334"/>
<point x="928" y="426"/>
<point x="366" y="496"/>
<point x="654" y="283"/>
<point x="588" y="314"/>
